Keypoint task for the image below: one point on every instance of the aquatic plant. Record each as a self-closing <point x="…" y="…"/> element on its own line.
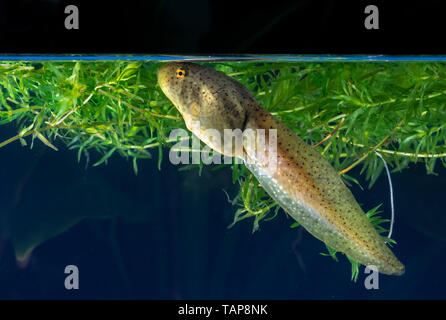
<point x="357" y="111"/>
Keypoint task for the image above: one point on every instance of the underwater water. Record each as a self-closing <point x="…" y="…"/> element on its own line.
<point x="162" y="233"/>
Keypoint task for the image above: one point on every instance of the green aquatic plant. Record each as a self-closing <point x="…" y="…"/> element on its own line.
<point x="358" y="110"/>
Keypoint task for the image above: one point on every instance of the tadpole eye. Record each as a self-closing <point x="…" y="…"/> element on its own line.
<point x="181" y="73"/>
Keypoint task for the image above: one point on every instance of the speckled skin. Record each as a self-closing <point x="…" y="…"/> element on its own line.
<point x="304" y="184"/>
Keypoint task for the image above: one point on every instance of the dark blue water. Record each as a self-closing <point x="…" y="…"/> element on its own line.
<point x="162" y="234"/>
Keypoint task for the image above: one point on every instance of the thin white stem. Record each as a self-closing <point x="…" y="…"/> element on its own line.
<point x="391" y="194"/>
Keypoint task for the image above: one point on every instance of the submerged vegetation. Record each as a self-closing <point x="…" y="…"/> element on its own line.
<point x="358" y="110"/>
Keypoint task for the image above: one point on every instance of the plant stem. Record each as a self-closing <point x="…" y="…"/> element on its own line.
<point x="372" y="149"/>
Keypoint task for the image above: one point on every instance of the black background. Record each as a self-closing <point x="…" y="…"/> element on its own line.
<point x="222" y="27"/>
